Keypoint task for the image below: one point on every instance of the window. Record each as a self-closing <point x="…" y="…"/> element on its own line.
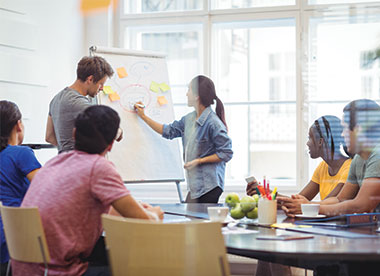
<point x="318" y="2"/>
<point x="228" y="4"/>
<point x="149" y="6"/>
<point x="277" y="66"/>
<point x="183" y="44"/>
<point x="249" y="65"/>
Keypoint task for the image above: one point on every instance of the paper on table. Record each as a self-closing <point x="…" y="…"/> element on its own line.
<point x="237" y="230"/>
<point x="285" y="237"/>
<point x="288" y="225"/>
<point x="121" y="72"/>
<point x="108" y="90"/>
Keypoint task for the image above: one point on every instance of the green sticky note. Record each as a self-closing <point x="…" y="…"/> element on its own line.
<point x="108" y="90"/>
<point x="155" y="87"/>
<point x="164" y="87"/>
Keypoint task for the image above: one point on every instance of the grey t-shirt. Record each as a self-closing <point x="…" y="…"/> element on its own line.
<point x="361" y="169"/>
<point x="63" y="109"/>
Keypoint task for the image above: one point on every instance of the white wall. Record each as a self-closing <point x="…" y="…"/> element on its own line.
<point x="41" y="42"/>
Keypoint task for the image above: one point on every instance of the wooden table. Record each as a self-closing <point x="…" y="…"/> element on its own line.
<point x="326" y="255"/>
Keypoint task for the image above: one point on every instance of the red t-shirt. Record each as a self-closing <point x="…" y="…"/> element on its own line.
<point x="71" y="192"/>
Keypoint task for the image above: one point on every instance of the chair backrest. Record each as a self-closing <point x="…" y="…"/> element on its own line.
<point x="24" y="234"/>
<point x="141" y="247"/>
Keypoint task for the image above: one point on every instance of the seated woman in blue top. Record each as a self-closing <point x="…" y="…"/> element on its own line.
<point x="18" y="165"/>
<point x="206" y="145"/>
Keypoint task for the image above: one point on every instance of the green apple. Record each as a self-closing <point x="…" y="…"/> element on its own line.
<point x="256" y="198"/>
<point x="232" y="199"/>
<point x="247" y="203"/>
<point x="237" y="212"/>
<point x="252" y="214"/>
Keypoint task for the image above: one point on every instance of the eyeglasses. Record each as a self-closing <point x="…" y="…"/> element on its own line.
<point x="328" y="133"/>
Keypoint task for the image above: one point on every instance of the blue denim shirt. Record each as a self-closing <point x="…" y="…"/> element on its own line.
<point x="202" y="137"/>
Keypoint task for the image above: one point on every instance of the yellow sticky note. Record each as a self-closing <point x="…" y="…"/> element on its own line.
<point x="94" y="5"/>
<point x="283" y="225"/>
<point x="114" y="97"/>
<point x="121" y="72"/>
<point x="154" y="86"/>
<point x="164" y="87"/>
<point x="108" y="90"/>
<point x="162" y="100"/>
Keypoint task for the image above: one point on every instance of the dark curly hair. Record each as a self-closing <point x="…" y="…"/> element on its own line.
<point x="96" y="128"/>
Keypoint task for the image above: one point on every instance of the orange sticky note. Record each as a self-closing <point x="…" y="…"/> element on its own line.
<point x="114" y="97"/>
<point x="121" y="72"/>
<point x="162" y="100"/>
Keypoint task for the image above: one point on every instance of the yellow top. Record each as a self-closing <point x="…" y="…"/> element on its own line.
<point x="326" y="182"/>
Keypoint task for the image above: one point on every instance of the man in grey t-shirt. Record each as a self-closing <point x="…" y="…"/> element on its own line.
<point x="361" y="192"/>
<point x="92" y="73"/>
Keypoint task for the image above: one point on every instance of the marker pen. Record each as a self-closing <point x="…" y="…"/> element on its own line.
<point x="140" y="105"/>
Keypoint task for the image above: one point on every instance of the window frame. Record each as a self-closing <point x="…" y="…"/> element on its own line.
<point x="302" y="12"/>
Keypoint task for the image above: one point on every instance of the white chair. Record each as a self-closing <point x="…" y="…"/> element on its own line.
<point x="142" y="247"/>
<point x="25" y="235"/>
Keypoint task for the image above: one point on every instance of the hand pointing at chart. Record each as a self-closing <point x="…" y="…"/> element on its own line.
<point x="157" y="127"/>
<point x="206" y="146"/>
<point x="139" y="107"/>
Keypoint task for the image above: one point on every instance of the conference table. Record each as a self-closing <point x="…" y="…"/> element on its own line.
<point x="330" y="250"/>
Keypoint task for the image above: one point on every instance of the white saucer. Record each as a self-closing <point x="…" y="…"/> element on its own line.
<point x="310" y="217"/>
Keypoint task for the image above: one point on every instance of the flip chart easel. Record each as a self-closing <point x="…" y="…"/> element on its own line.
<point x="142" y="156"/>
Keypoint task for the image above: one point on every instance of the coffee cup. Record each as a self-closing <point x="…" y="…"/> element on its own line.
<point x="310" y="210"/>
<point x="216" y="213"/>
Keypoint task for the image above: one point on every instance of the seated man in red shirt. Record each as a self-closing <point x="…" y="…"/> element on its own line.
<point x="71" y="192"/>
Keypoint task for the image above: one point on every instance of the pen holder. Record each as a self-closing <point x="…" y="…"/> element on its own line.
<point x="267" y="211"/>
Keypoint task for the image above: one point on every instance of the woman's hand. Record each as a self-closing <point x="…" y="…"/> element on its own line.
<point x="192" y="164"/>
<point x="292" y="206"/>
<point x="139" y="109"/>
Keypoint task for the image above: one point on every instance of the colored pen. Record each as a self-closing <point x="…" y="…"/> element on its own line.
<point x="257" y="191"/>
<point x="274" y="193"/>
<point x="265" y="185"/>
<point x="262" y="191"/>
<point x="140" y="105"/>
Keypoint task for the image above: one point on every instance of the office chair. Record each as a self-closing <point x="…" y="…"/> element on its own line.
<point x="142" y="247"/>
<point x="25" y="235"/>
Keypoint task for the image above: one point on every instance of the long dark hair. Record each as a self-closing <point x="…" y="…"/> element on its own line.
<point x="9" y="116"/>
<point x="330" y="129"/>
<point x="203" y="87"/>
<point x="96" y="128"/>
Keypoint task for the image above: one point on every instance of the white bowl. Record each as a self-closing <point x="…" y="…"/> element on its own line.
<point x="310" y="209"/>
<point x="217" y="213"/>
